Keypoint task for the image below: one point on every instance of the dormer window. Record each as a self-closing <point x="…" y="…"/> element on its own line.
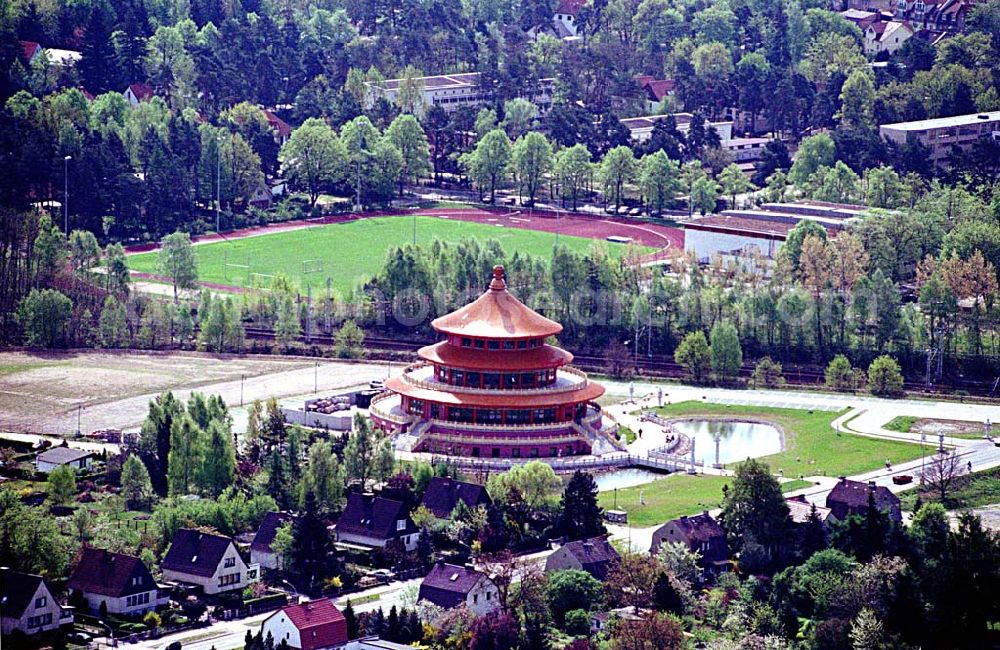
<point x="400" y="524"/>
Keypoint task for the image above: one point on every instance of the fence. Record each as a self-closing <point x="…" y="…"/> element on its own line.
<point x="603" y="463"/>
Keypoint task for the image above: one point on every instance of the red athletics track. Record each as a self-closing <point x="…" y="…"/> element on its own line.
<point x="565" y="223"/>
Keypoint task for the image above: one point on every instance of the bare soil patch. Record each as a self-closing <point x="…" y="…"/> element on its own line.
<point x="40" y="392"/>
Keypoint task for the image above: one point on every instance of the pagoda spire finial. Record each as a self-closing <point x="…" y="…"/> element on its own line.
<point x="498" y="283"/>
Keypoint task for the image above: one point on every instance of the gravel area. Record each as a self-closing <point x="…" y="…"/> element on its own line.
<point x="41" y="392"/>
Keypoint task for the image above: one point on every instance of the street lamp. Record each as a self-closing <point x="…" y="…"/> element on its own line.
<point x="66" y="160"/>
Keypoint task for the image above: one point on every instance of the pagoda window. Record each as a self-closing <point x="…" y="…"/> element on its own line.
<point x="522" y="344"/>
<point x="518" y="416"/>
<point x="472" y="379"/>
<point x="491" y="380"/>
<point x="416" y="407"/>
<point x="459" y="414"/>
<point x="493" y="345"/>
<point x="442" y="374"/>
<point x="457" y="378"/>
<point x="515" y="452"/>
<point x="510" y="380"/>
<point x="544" y="416"/>
<point x="466" y="342"/>
<point x="479" y="344"/>
<point x="435" y="411"/>
<point x="527" y="379"/>
<point x="508" y="345"/>
<point x="489" y="416"/>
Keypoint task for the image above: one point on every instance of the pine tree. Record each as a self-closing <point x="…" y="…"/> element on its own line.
<point x="313" y="548"/>
<point x="277" y="478"/>
<point x="581" y="516"/>
<point x="392" y="629"/>
<point x="352" y="621"/>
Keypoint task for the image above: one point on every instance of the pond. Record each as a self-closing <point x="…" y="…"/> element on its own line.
<point x="737" y="440"/>
<point x="624" y="478"/>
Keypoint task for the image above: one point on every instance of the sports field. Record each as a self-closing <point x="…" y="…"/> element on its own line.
<point x="349" y="252"/>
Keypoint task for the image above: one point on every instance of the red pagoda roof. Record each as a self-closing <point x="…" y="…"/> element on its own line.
<point x="452" y="356"/>
<point x="496" y="315"/>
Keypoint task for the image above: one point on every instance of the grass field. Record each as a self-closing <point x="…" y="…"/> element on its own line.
<point x="677" y="495"/>
<point x="348" y="252"/>
<point x="972" y="491"/>
<point x="812" y="446"/>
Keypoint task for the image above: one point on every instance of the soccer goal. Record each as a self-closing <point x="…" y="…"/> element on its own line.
<point x="261" y="280"/>
<point x="238" y="270"/>
<point x="313" y="266"/>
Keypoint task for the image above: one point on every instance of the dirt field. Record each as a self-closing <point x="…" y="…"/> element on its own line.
<point x="40" y="392"/>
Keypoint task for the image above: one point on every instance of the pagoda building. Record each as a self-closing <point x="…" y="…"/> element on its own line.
<point x="493" y="388"/>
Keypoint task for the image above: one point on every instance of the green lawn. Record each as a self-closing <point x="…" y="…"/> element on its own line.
<point x="812" y="446"/>
<point x="973" y="491"/>
<point x="676" y="495"/>
<point x="901" y="423"/>
<point x="348" y="252"/>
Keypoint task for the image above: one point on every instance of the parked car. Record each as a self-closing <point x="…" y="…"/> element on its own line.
<point x="80" y="638"/>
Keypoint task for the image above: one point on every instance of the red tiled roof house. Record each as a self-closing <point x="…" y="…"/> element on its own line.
<point x="307" y="626"/>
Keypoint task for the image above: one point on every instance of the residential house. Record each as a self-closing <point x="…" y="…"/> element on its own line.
<point x="450" y="585"/>
<point x="799" y="511"/>
<point x="281" y="129"/>
<point x="137" y="93"/>
<point x="28" y="604"/>
<point x="443" y="494"/>
<point x="655" y="90"/>
<point x="78" y="459"/>
<point x="936" y="16"/>
<point x="596" y="556"/>
<point x="120" y="582"/>
<point x="208" y="560"/>
<point x="851" y="498"/>
<point x="374" y="521"/>
<point x="260" y="548"/>
<point x="307" y="626"/>
<point x="885" y="37"/>
<point x="566" y="18"/>
<point x="700" y="533"/>
<point x="599" y="620"/>
<point x="28" y="51"/>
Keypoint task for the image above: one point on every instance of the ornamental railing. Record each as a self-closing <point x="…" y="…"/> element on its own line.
<point x="442" y="386"/>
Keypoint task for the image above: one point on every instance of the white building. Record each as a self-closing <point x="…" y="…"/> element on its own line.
<point x="28" y="605"/>
<point x="886" y="37"/>
<point x="454" y="91"/>
<point x="567" y="17"/>
<point x="641" y="128"/>
<point x="313" y="625"/>
<point x="208" y="560"/>
<point x="78" y="459"/>
<point x="941" y="134"/>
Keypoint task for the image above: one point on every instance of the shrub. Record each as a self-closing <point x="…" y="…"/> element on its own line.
<point x="577" y="622"/>
<point x="767" y="373"/>
<point x="839" y="374"/>
<point x="885" y="377"/>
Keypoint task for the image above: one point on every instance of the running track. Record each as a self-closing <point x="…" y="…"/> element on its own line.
<point x="564" y="223"/>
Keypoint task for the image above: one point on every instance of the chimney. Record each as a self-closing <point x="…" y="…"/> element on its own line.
<point x="843" y="480"/>
<point x="704" y="513"/>
<point x="871" y="486"/>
